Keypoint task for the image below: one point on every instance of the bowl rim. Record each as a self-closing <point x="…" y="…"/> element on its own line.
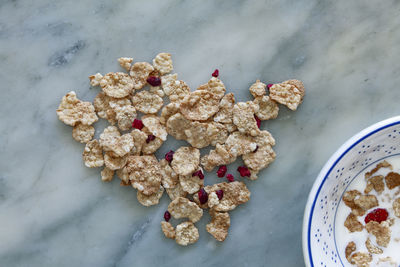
<point x="324" y="173"/>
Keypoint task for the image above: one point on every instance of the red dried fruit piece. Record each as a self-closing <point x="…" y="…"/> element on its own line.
<point x="169" y="155"/>
<point x="167" y="216"/>
<point x="258" y="121"/>
<point x="377" y="215"/>
<point x="221" y="171"/>
<point x="269" y="85"/>
<point x="220" y="193"/>
<point x="215" y="73"/>
<point x="137" y="124"/>
<point x="150" y="138"/>
<point x="203" y="196"/>
<point x="255" y="150"/>
<point x="154" y="81"/>
<point x="244" y="171"/>
<point x="230" y="177"/>
<point x="199" y="173"/>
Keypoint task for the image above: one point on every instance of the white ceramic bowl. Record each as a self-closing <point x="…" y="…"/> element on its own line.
<point x="377" y="142"/>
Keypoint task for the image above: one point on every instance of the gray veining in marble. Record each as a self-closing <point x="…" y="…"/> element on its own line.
<point x="56" y="212"/>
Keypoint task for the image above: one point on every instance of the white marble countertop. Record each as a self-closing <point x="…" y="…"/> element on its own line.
<point x="56" y="212"/>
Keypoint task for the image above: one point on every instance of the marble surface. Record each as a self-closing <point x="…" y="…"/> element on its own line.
<point x="56" y="212"/>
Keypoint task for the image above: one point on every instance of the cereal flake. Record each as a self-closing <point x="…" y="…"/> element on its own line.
<point x="116" y="84"/>
<point x="396" y="207"/>
<point x="144" y="173"/>
<point x="93" y="154"/>
<point x="72" y="111"/>
<point x="289" y="93"/>
<point x="219" y="225"/>
<point x="352" y="223"/>
<point x="150" y="200"/>
<point x="112" y="140"/>
<point x="392" y="180"/>
<point x="139" y="73"/>
<point x="268" y="108"/>
<point x="147" y="102"/>
<point x="186" y="160"/>
<point x="257" y="89"/>
<point x="163" y="63"/>
<point x="113" y="161"/>
<point x="225" y="112"/>
<point x="259" y="159"/>
<point x="184" y="208"/>
<point x="152" y="123"/>
<point x="199" y="105"/>
<point x="169" y="177"/>
<point x="176" y="192"/>
<point x="168" y="230"/>
<point x="186" y="233"/>
<point x="381" y="231"/>
<point x="191" y="184"/>
<point x="95" y="79"/>
<point x="243" y="118"/>
<point x="83" y="133"/>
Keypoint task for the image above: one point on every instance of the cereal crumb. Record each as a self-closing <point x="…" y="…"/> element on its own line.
<point x="107" y="174"/>
<point x="396" y="207"/>
<point x="213" y="199"/>
<point x="289" y="93"/>
<point x="168" y="230"/>
<point x="95" y="79"/>
<point x="186" y="233"/>
<point x="125" y="62"/>
<point x="371" y="248"/>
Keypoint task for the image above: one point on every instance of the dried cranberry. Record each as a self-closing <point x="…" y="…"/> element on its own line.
<point x="138" y="124"/>
<point x="377" y="215"/>
<point x="258" y="121"/>
<point x="167" y="216"/>
<point x="169" y="156"/>
<point x="230" y="177"/>
<point x="221" y="171"/>
<point x="215" y="73"/>
<point x="150" y="138"/>
<point x="220" y="194"/>
<point x="255" y="150"/>
<point x="269" y="85"/>
<point x="244" y="171"/>
<point x="154" y="81"/>
<point x="203" y="196"/>
<point x="199" y="174"/>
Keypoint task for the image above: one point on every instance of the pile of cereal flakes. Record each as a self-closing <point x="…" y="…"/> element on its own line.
<point x="204" y="117"/>
<point x="378" y="223"/>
